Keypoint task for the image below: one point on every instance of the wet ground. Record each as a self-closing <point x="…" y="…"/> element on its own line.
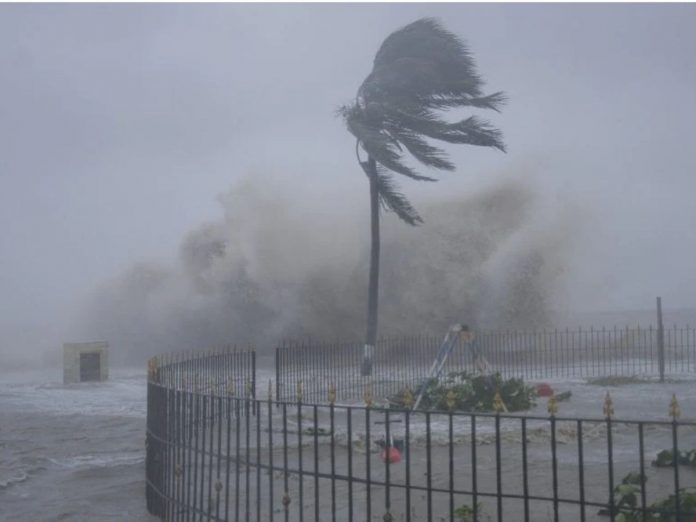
<point x="76" y="453"/>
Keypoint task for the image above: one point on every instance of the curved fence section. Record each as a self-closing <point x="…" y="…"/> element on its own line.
<point x="216" y="452"/>
<point x="536" y="354"/>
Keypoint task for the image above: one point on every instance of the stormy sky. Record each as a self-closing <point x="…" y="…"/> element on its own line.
<point x="120" y="125"/>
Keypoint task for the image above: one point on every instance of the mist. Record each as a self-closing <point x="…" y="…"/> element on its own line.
<point x="269" y="269"/>
<point x="120" y="124"/>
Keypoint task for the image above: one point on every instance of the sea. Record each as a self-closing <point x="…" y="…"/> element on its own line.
<point x="72" y="452"/>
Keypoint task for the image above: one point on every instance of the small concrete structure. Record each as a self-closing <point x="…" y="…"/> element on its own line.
<point x="84" y="362"/>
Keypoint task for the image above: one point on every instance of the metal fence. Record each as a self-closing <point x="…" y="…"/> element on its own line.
<point x="228" y="372"/>
<point x="218" y="456"/>
<point x="541" y="354"/>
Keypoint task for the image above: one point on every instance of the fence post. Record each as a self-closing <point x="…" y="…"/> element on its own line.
<point x="277" y="372"/>
<point x="660" y="341"/>
<point x="253" y="382"/>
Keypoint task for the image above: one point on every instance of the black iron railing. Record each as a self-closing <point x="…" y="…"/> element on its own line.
<point x="543" y="354"/>
<point x="220" y="453"/>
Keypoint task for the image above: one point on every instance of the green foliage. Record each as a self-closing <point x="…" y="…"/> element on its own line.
<point x="627" y="509"/>
<point x="564" y="396"/>
<point x="667" y="508"/>
<point x="465" y="513"/>
<point x="665" y="458"/>
<point x="616" y="380"/>
<point x="475" y="393"/>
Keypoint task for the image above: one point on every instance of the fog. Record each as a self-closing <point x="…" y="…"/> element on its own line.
<point x="270" y="270"/>
<point x="175" y="176"/>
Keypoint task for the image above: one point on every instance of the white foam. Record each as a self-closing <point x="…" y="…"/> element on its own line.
<point x="99" y="461"/>
<point x="123" y="395"/>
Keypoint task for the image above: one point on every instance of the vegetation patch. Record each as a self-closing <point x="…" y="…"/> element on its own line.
<point x="462" y="391"/>
<point x="617" y="380"/>
<point x="665" y="458"/>
<point x="627" y="499"/>
<point x="465" y="513"/>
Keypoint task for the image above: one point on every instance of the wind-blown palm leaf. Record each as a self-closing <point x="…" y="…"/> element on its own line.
<point x="391" y="199"/>
<point x="418" y="71"/>
<point x="420" y="148"/>
<point x="379" y="144"/>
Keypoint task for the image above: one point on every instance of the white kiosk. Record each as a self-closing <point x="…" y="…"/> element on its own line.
<point x="84" y="362"/>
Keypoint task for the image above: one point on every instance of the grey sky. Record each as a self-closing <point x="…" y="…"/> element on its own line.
<point x="120" y="124"/>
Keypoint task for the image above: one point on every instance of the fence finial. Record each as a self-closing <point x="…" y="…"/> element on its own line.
<point x="367" y="396"/>
<point x="674" y="409"/>
<point x="608" y="406"/>
<point x="451" y="399"/>
<point x="407" y="397"/>
<point x="153" y="369"/>
<point x="498" y="404"/>
<point x="332" y="394"/>
<point x="299" y="391"/>
<point x="552" y="405"/>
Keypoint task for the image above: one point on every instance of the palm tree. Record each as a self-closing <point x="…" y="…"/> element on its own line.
<point x="419" y="72"/>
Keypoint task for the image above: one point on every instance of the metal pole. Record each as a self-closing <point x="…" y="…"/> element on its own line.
<point x="660" y="341"/>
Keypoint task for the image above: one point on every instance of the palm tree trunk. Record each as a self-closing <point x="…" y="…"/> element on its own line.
<point x="373" y="288"/>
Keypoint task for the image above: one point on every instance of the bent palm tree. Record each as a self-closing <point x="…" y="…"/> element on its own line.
<point x="419" y="71"/>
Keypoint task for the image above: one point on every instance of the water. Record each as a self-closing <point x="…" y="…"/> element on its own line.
<point x="72" y="453"/>
<point x="77" y="452"/>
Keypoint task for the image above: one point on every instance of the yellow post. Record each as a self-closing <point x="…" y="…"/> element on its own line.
<point x="451" y="400"/>
<point x="367" y="396"/>
<point x="299" y="391"/>
<point x="407" y="397"/>
<point x="608" y="409"/>
<point x="498" y="404"/>
<point x="674" y="409"/>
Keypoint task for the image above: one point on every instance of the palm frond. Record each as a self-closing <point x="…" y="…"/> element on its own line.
<point x="420" y="149"/>
<point x="419" y="71"/>
<point x="377" y="143"/>
<point x="423" y="121"/>
<point x="424" y="58"/>
<point x="391" y="199"/>
<point x="493" y="101"/>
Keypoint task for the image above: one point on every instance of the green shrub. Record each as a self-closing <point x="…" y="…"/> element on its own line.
<point x="465" y="513"/>
<point x="466" y="392"/>
<point x="617" y="380"/>
<point x="626" y="507"/>
<point x="665" y="458"/>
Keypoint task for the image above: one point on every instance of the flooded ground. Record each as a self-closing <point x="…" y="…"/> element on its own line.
<point x="77" y="452"/>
